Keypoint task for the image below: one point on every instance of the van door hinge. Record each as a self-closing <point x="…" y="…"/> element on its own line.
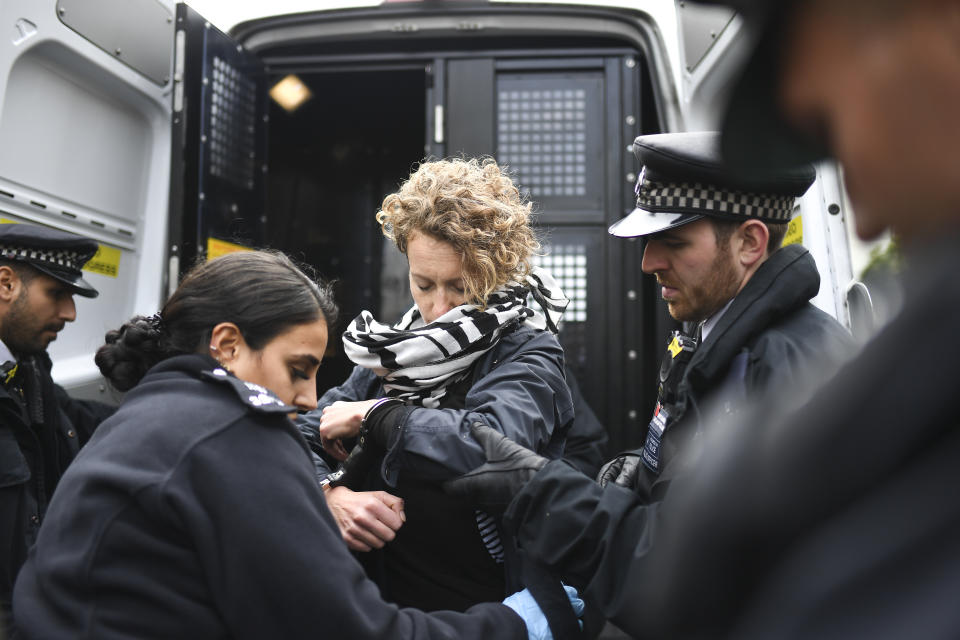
<point x="179" y="51"/>
<point x="438" y="124"/>
<point x="173" y="274"/>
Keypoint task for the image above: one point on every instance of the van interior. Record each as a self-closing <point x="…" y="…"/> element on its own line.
<point x="331" y="163"/>
<point x="559" y="111"/>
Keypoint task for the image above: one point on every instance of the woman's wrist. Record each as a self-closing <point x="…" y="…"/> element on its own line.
<point x="374" y="427"/>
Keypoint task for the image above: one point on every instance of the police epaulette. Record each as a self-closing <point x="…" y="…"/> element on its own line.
<point x="252" y="395"/>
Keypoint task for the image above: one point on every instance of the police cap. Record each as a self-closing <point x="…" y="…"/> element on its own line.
<point x="58" y="254"/>
<point x="683" y="179"/>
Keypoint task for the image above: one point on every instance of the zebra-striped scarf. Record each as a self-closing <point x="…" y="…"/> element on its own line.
<point x="418" y="362"/>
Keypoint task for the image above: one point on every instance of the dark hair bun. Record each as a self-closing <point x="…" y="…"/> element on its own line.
<point x="130" y="351"/>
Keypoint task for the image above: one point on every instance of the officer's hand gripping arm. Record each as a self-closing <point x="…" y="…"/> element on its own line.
<point x="622" y="470"/>
<point x="492" y="485"/>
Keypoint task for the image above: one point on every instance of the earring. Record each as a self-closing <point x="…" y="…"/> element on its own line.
<point x="219" y="362"/>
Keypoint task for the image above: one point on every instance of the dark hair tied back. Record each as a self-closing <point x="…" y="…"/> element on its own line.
<point x="131" y="350"/>
<point x="156" y="321"/>
<point x="262" y="292"/>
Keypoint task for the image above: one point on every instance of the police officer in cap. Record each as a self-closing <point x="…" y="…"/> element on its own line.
<point x="41" y="428"/>
<point x="713" y="241"/>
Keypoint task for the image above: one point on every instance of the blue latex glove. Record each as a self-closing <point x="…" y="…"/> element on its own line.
<point x="527" y="608"/>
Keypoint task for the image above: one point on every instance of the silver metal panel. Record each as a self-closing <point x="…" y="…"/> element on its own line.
<point x="71" y="136"/>
<point x="700" y="26"/>
<point x="567" y="263"/>
<point x="232" y="131"/>
<point x="86" y="148"/>
<point x="139" y="33"/>
<point x="542" y="136"/>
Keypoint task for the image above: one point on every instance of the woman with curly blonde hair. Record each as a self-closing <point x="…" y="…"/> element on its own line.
<point x="474" y="208"/>
<point x="469" y="350"/>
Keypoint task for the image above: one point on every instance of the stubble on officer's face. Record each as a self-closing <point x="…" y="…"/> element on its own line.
<point x="706" y="297"/>
<point x="36" y="316"/>
<point x="695" y="268"/>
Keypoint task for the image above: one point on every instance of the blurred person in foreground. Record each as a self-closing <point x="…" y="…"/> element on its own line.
<point x="194" y="511"/>
<point x="838" y="519"/>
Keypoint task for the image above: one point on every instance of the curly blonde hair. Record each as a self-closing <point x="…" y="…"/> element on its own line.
<point x="473" y="205"/>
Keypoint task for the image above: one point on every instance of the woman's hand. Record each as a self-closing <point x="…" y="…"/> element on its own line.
<point x="367" y="519"/>
<point x="341" y="420"/>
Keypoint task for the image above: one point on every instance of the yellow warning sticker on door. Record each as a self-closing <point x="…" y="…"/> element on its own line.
<point x="106" y="261"/>
<point x="794" y="232"/>
<point x="217" y="248"/>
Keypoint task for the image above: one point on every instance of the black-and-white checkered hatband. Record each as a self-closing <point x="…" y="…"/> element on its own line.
<point x="665" y="205"/>
<point x="60" y="259"/>
<point x="705" y="199"/>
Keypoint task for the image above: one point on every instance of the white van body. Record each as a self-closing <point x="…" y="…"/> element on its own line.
<point x="95" y="122"/>
<point x="85" y="147"/>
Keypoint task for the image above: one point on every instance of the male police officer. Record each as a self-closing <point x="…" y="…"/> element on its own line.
<point x="41" y="428"/>
<point x="840" y="520"/>
<point x="713" y="242"/>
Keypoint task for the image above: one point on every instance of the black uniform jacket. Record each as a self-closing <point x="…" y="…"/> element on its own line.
<point x="35" y="449"/>
<point x="194" y="512"/>
<point x="601" y="538"/>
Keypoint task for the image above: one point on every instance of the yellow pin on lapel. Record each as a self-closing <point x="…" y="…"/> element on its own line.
<point x="9" y="375"/>
<point x="674" y="347"/>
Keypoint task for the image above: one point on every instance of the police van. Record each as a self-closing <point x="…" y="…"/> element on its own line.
<point x="142" y="125"/>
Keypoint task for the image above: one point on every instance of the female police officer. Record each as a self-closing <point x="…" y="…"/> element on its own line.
<point x="194" y="511"/>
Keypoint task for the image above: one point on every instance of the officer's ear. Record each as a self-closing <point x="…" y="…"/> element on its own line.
<point x="226" y="343"/>
<point x="10" y="284"/>
<point x="751" y="242"/>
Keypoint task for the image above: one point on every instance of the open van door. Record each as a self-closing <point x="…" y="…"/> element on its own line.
<point x="92" y="92"/>
<point x="557" y="94"/>
<point x="712" y="44"/>
<point x="219" y="140"/>
<point x="84" y="147"/>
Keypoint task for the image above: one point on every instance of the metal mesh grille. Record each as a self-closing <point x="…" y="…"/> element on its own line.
<point x="568" y="265"/>
<point x="542" y="137"/>
<point x="232" y="125"/>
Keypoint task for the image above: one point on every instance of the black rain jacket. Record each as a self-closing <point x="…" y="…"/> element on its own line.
<point x="194" y="512"/>
<point x="33" y="456"/>
<point x="604" y="539"/>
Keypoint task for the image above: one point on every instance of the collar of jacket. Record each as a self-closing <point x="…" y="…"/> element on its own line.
<point x="786" y="281"/>
<point x="192" y="363"/>
<point x="255" y="396"/>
